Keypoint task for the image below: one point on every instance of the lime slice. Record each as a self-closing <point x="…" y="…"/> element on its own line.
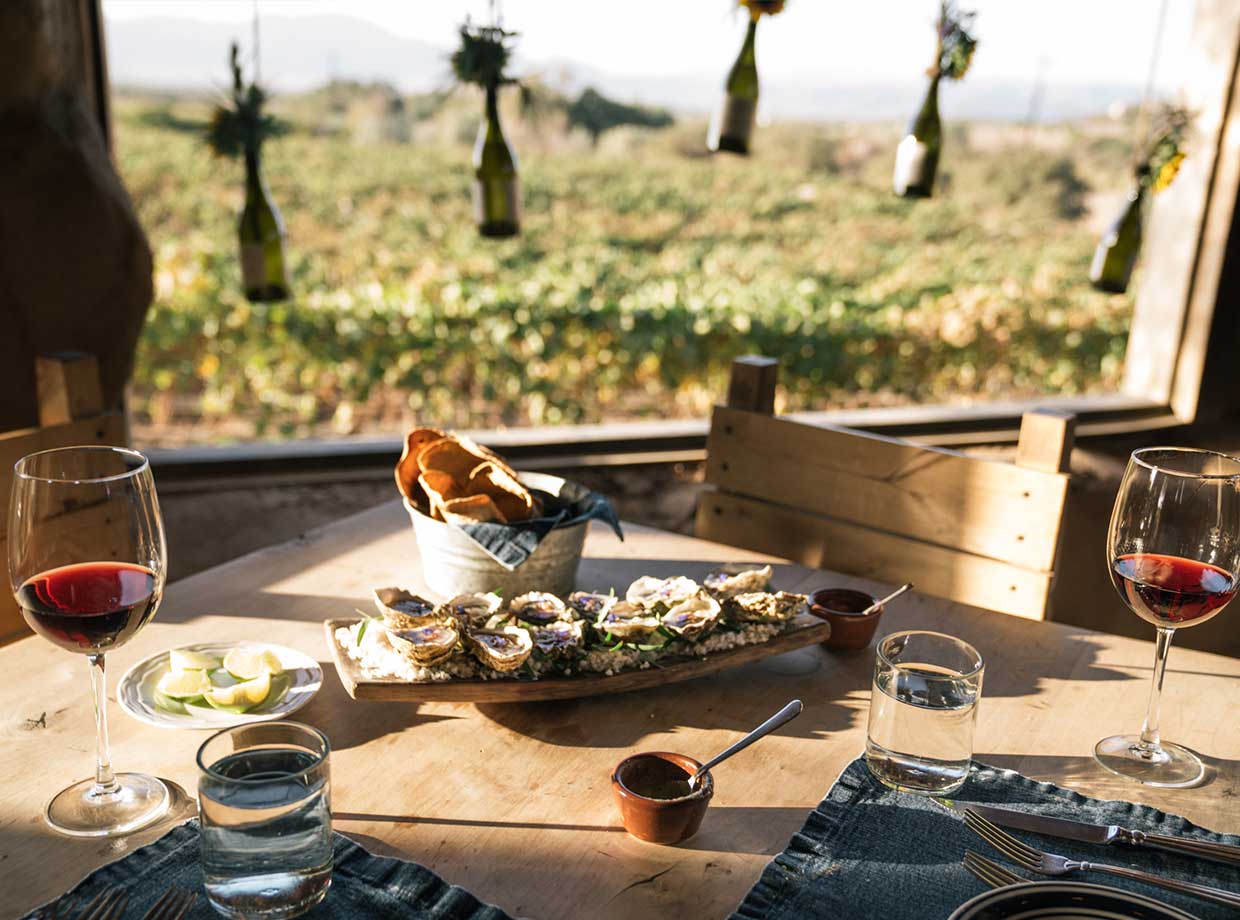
<point x="185" y="659"/>
<point x="240" y="697"/>
<point x="183" y="685"/>
<point x="249" y="663"/>
<point x="168" y="704"/>
<point x="221" y="678"/>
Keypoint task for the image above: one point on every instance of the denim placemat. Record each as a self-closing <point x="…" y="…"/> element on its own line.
<point x="868" y="852"/>
<point x="363" y="885"/>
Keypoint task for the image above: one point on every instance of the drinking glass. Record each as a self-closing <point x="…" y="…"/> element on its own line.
<point x="264" y="804"/>
<point x="1174" y="550"/>
<point x="87" y="564"/>
<point x="923" y="707"/>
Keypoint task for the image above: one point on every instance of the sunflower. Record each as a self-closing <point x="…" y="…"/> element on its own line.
<point x="1167" y="174"/>
<point x="759" y="7"/>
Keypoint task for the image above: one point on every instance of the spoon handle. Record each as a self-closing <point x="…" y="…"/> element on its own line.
<point x="787" y="714"/>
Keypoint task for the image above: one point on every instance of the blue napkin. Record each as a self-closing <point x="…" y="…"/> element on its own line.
<point x="868" y="852"/>
<point x="363" y="885"/>
<point x="564" y="504"/>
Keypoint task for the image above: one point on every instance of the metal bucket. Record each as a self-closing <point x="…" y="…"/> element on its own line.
<point x="453" y="564"/>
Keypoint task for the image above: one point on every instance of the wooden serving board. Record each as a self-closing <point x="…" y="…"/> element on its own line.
<point x="807" y="630"/>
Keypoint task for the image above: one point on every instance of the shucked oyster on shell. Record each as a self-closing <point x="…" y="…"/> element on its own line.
<point x="759" y="607"/>
<point x="562" y="637"/>
<point x="403" y="609"/>
<point x="504" y="648"/>
<point x="649" y="590"/>
<point x="537" y="608"/>
<point x="471" y="610"/>
<point x="693" y="617"/>
<point x="732" y="580"/>
<point x="628" y="621"/>
<point x="426" y="645"/>
<point x="586" y="606"/>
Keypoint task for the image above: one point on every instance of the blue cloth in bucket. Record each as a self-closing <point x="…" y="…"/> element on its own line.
<point x="868" y="852"/>
<point x="363" y="885"/>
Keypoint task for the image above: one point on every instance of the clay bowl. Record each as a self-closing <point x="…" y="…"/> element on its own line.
<point x="660" y="820"/>
<point x="841" y="607"/>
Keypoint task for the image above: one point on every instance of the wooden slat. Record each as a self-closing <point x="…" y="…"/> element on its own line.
<point x="824" y="543"/>
<point x="68" y="387"/>
<point x="752" y="383"/>
<point x="1046" y="439"/>
<point x="979" y="506"/>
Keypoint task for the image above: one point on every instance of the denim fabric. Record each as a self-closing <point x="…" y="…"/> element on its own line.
<point x="868" y="852"/>
<point x="363" y="886"/>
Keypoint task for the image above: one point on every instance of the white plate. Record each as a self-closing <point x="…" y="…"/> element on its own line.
<point x="136" y="689"/>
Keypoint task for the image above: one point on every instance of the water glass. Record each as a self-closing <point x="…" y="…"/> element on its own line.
<point x="264" y="804"/>
<point x="923" y="707"/>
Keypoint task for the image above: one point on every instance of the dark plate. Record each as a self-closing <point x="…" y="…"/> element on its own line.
<point x="1065" y="901"/>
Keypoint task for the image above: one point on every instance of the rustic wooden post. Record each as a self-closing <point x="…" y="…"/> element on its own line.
<point x="68" y="387"/>
<point x="1046" y="439"/>
<point x="752" y="384"/>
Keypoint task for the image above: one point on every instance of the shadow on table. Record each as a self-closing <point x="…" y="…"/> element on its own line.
<point x="473" y="822"/>
<point x="350" y="723"/>
<point x="1081" y="770"/>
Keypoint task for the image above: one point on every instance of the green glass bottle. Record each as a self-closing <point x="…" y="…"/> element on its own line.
<point x="497" y="195"/>
<point x="917" y="157"/>
<point x="1119" y="247"/>
<point x="261" y="234"/>
<point x="732" y="127"/>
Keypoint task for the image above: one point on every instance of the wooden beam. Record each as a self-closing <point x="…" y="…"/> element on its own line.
<point x="68" y="387"/>
<point x="1046" y="439"/>
<point x="752" y="384"/>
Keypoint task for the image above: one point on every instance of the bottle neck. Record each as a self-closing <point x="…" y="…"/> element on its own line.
<point x="253" y="174"/>
<point x="492" y="109"/>
<point x="748" y="56"/>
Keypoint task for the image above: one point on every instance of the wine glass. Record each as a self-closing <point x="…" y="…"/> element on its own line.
<point x="1174" y="553"/>
<point x="87" y="563"/>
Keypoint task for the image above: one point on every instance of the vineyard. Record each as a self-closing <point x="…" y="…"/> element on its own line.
<point x="642" y="270"/>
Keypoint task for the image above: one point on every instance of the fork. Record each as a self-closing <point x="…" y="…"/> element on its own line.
<point x="172" y="905"/>
<point x="990" y="872"/>
<point x="1050" y="864"/>
<point x="108" y="904"/>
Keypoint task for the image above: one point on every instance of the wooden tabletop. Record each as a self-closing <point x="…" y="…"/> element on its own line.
<point x="513" y="801"/>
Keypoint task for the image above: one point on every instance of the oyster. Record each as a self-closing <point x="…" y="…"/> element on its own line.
<point x="402" y="609"/>
<point x="537" y="608"/>
<point x="471" y="610"/>
<point x="693" y="617"/>
<point x="649" y="591"/>
<point x="759" y="607"/>
<point x="586" y="606"/>
<point x="503" y="649"/>
<point x="732" y="580"/>
<point x="628" y="621"/>
<point x="561" y="637"/>
<point x="426" y="645"/>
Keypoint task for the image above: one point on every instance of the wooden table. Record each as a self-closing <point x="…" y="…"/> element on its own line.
<point x="513" y="801"/>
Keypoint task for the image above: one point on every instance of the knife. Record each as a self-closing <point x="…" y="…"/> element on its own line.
<point x="1104" y="834"/>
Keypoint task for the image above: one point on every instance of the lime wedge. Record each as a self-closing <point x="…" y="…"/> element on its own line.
<point x="168" y="704"/>
<point x="221" y="678"/>
<point x="249" y="663"/>
<point x="183" y="685"/>
<point x="185" y="659"/>
<point x="240" y="697"/>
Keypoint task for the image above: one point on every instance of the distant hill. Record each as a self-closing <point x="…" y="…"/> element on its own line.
<point x="304" y="52"/>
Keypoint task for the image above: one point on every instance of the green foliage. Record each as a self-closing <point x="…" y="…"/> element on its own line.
<point x="597" y="114"/>
<point x="482" y="58"/>
<point x="639" y="275"/>
<point x="240" y="125"/>
<point x="957" y="43"/>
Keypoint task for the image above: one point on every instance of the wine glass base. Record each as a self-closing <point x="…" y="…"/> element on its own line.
<point x="138" y="800"/>
<point x="1167" y="765"/>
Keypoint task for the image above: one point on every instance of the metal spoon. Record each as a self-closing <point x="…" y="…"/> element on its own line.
<point x="787" y="714"/>
<point x="907" y="586"/>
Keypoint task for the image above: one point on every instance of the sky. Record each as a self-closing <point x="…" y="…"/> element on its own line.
<point x="1073" y="41"/>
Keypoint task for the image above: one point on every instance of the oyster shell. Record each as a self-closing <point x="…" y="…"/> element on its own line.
<point x="586" y="606"/>
<point x="403" y="609"/>
<point x="628" y="621"/>
<point x="732" y="580"/>
<point x="471" y="610"/>
<point x="426" y="645"/>
<point x="561" y="637"/>
<point x="537" y="608"/>
<point x="693" y="617"/>
<point x="759" y="607"/>
<point x="649" y="590"/>
<point x="504" y="649"/>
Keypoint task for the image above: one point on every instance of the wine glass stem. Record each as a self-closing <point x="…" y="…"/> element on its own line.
<point x="105" y="782"/>
<point x="1149" y="730"/>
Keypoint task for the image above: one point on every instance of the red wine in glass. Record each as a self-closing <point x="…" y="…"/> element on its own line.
<point x="89" y="606"/>
<point x="1172" y="591"/>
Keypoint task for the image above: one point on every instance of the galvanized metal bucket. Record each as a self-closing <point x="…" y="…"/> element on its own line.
<point x="453" y="564"/>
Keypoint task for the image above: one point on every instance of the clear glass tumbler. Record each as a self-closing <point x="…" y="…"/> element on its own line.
<point x="264" y="803"/>
<point x="923" y="708"/>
